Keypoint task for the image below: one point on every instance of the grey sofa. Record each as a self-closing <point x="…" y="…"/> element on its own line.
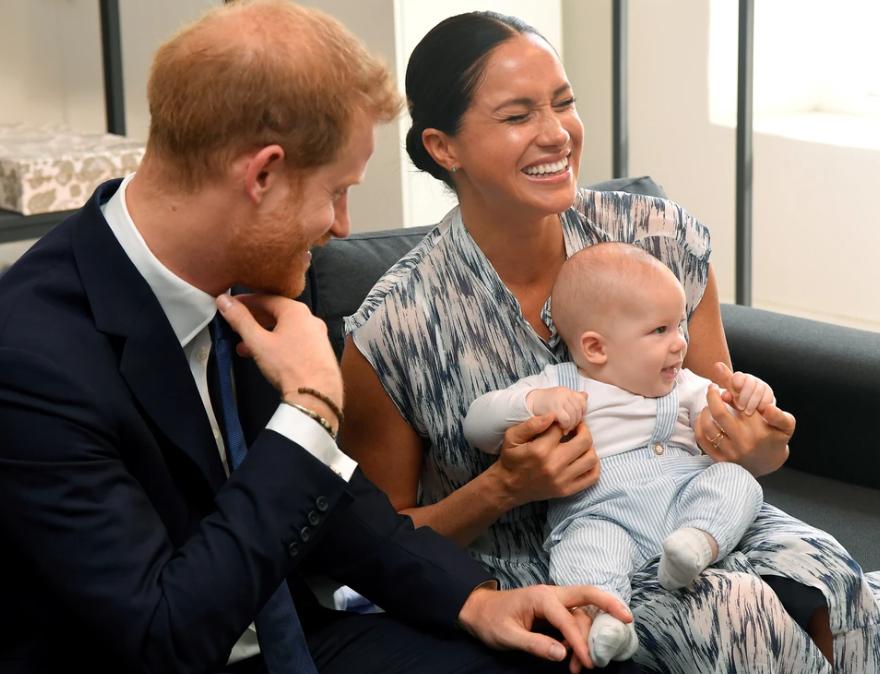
<point x="827" y="376"/>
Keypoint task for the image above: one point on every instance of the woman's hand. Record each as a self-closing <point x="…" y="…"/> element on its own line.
<point x="757" y="442"/>
<point x="535" y="463"/>
<point x="391" y="453"/>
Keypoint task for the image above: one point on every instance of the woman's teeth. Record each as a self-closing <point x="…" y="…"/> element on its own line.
<point x="542" y="169"/>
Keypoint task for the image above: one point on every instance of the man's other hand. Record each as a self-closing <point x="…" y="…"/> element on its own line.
<point x="504" y="620"/>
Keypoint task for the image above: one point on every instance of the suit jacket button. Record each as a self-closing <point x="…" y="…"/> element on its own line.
<point x="314" y="518"/>
<point x="292" y="549"/>
<point x="322" y="504"/>
<point x="305" y="534"/>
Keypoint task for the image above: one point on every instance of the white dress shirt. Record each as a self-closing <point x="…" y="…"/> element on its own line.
<point x="189" y="311"/>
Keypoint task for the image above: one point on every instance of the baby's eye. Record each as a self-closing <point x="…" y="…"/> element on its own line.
<point x="660" y="330"/>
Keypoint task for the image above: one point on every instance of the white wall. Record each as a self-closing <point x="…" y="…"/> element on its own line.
<point x="671" y="137"/>
<point x="814" y="226"/>
<point x="50" y="63"/>
<point x="50" y="59"/>
<point x="587" y="58"/>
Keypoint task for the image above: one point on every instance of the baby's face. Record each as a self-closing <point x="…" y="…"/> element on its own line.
<point x="645" y="341"/>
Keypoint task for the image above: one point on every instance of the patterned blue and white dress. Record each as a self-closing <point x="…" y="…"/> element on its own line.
<point x="440" y="328"/>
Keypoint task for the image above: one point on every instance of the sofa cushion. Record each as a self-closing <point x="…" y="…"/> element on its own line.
<point x="344" y="271"/>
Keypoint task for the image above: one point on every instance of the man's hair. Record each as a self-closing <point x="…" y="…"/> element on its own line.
<point x="258" y="73"/>
<point x="599" y="282"/>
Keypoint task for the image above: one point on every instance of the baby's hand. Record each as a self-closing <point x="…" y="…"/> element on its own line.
<point x="747" y="393"/>
<point x="566" y="405"/>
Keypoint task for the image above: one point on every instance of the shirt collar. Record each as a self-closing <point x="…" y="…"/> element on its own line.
<point x="187" y="308"/>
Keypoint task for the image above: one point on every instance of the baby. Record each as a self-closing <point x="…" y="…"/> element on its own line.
<point x="622" y="315"/>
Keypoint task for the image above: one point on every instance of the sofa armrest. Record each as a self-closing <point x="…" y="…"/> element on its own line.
<point x="828" y="376"/>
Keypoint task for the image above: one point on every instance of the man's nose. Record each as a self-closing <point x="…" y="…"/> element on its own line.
<point x="341" y="224"/>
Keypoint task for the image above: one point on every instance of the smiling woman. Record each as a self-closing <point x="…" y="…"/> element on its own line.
<point x="467" y="311"/>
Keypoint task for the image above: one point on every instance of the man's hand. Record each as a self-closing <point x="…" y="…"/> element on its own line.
<point x="289" y="345"/>
<point x="567" y="406"/>
<point x="504" y="620"/>
<point x="536" y="465"/>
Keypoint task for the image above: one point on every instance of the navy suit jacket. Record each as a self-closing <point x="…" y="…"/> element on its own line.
<point x="125" y="547"/>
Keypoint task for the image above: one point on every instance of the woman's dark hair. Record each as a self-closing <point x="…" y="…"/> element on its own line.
<point x="443" y="71"/>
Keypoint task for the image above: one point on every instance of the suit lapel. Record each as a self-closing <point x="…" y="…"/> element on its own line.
<point x="152" y="362"/>
<point x="157" y="372"/>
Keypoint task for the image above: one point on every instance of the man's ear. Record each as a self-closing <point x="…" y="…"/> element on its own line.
<point x="593" y="348"/>
<point x="441" y="148"/>
<point x="262" y="170"/>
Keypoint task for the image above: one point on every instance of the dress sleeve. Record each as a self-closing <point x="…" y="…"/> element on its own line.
<point x="661" y="227"/>
<point x="391" y="329"/>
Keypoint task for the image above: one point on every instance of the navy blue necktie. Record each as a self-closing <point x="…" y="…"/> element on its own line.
<point x="280" y="634"/>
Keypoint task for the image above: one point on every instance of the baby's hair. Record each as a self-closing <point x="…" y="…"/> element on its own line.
<point x="598" y="282"/>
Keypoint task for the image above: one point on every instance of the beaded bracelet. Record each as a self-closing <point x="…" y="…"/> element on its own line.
<point x="305" y="390"/>
<point x="315" y="416"/>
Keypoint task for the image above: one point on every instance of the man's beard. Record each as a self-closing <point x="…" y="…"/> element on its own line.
<point x="274" y="261"/>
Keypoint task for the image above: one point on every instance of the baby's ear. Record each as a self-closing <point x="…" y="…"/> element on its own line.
<point x="593" y="348"/>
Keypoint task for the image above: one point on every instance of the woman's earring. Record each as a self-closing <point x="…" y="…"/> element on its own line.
<point x="453" y="168"/>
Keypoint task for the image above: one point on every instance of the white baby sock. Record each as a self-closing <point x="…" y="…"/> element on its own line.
<point x="611" y="639"/>
<point x="686" y="552"/>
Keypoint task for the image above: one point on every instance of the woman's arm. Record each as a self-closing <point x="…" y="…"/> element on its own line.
<point x="707" y="344"/>
<point x="533" y="465"/>
<point x="758" y="443"/>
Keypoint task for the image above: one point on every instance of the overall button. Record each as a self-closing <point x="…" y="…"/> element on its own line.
<point x="322" y="504"/>
<point x="314" y="518"/>
<point x="305" y="534"/>
<point x="659" y="449"/>
<point x="293" y="549"/>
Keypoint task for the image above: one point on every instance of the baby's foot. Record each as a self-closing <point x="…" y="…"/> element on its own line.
<point x="686" y="552"/>
<point x="611" y="639"/>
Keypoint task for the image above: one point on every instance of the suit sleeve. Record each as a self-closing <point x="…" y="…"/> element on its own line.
<point x="414" y="574"/>
<point x="72" y="508"/>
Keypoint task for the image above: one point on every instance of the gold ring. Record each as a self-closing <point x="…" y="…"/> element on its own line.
<point x="714" y="441"/>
